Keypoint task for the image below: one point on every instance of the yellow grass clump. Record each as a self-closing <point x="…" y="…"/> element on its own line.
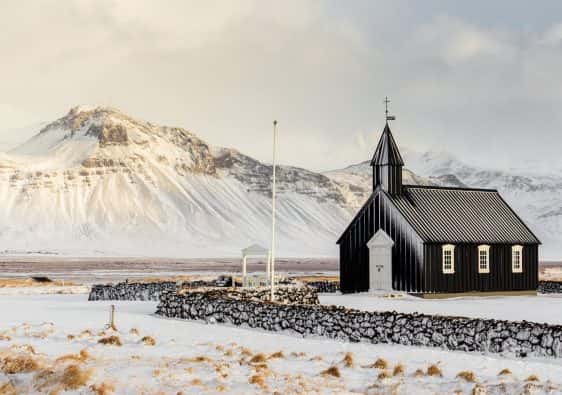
<point x="246" y="352"/>
<point x="278" y="354"/>
<point x="385" y="374"/>
<point x="478" y="390"/>
<point x="196" y="382"/>
<point x="532" y="377"/>
<point x="19" y="364"/>
<point x="7" y="389"/>
<point x="258" y="380"/>
<point x="134" y="331"/>
<point x="504" y="372"/>
<point x="4" y="337"/>
<point x="467" y="375"/>
<point x="398" y="370"/>
<point x="433" y="370"/>
<point x="81" y="357"/>
<point x="148" y="341"/>
<point x="419" y="373"/>
<point x="75" y="377"/>
<point x="86" y="333"/>
<point x="331" y="371"/>
<point x="102" y="389"/>
<point x="111" y="341"/>
<point x="199" y="359"/>
<point x="380" y="363"/>
<point x="258" y="358"/>
<point x="348" y="360"/>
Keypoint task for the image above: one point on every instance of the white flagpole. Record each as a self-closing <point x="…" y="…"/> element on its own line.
<point x="273" y="214"/>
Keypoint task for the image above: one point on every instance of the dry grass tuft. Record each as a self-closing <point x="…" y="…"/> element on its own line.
<point x="532" y="377"/>
<point x="102" y="389"/>
<point x="83" y="356"/>
<point x="221" y="388"/>
<point x="111" y="341"/>
<point x="196" y="382"/>
<point x="398" y="370"/>
<point x="260" y="367"/>
<point x="298" y="354"/>
<point x="348" y="360"/>
<point x="258" y="358"/>
<point x="134" y="331"/>
<point x="380" y="363"/>
<point x="467" y="375"/>
<point x="479" y="390"/>
<point x="317" y="358"/>
<point x="75" y="377"/>
<point x="385" y="374"/>
<point x="276" y="355"/>
<point x="199" y="359"/>
<point x="70" y="337"/>
<point x="86" y="333"/>
<point x="433" y="370"/>
<point x="19" y="364"/>
<point x="246" y="352"/>
<point x="419" y="373"/>
<point x="7" y="389"/>
<point x="258" y="380"/>
<point x="331" y="371"/>
<point x="148" y="341"/>
<point x="4" y="337"/>
<point x="504" y="372"/>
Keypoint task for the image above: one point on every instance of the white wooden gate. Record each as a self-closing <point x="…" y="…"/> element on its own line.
<point x="380" y="262"/>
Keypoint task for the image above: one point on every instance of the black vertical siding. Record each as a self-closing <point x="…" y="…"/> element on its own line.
<point x="407" y="253"/>
<point x="466" y="277"/>
<point x="389" y="177"/>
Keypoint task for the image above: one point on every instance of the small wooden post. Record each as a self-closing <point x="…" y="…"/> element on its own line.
<point x="112" y="318"/>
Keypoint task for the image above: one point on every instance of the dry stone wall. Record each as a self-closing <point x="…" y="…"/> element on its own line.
<point x="152" y="292"/>
<point x="452" y="333"/>
<point x="550" y="287"/>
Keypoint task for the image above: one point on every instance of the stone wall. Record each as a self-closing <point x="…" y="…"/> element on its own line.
<point x="152" y="292"/>
<point x="452" y="333"/>
<point x="550" y="287"/>
<point x="131" y="291"/>
<point x="325" y="286"/>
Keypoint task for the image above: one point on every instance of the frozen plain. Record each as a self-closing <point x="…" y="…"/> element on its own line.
<point x="194" y="358"/>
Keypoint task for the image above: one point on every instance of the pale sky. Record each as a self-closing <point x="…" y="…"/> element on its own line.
<point x="480" y="79"/>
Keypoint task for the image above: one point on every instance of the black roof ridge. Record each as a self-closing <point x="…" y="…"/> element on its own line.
<point x="468" y="189"/>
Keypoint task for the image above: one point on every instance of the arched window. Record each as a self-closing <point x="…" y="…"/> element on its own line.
<point x="517" y="259"/>
<point x="483" y="258"/>
<point x="448" y="259"/>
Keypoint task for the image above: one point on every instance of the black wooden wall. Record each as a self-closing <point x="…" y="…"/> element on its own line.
<point x="466" y="277"/>
<point x="407" y="253"/>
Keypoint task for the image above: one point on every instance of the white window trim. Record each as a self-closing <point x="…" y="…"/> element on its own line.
<point x="485" y="248"/>
<point x="519" y="249"/>
<point x="451" y="248"/>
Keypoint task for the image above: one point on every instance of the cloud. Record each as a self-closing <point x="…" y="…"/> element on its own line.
<point x="456" y="75"/>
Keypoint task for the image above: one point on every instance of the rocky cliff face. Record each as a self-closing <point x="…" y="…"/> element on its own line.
<point x="99" y="181"/>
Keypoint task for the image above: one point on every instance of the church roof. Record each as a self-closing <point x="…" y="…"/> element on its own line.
<point x="387" y="152"/>
<point x="461" y="215"/>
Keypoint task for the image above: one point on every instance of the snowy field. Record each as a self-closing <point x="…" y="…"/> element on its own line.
<point x="42" y="337"/>
<point x="540" y="308"/>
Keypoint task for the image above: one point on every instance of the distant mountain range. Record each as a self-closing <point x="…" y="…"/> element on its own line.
<point x="98" y="182"/>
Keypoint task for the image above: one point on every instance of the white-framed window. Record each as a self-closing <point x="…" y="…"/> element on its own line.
<point x="483" y="258"/>
<point x="448" y="258"/>
<point x="517" y="259"/>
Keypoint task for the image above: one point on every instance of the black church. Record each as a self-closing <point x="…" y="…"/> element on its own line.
<point x="434" y="241"/>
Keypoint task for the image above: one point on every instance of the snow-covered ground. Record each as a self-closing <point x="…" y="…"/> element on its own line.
<point x="540" y="308"/>
<point x="196" y="358"/>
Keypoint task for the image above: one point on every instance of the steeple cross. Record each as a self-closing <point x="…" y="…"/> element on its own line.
<point x="386" y="101"/>
<point x="388" y="117"/>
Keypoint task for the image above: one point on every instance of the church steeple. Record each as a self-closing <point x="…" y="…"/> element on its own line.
<point x="387" y="164"/>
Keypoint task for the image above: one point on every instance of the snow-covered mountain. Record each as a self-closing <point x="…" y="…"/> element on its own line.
<point x="97" y="181"/>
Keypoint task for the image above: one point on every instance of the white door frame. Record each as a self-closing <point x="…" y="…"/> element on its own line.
<point x="380" y="261"/>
